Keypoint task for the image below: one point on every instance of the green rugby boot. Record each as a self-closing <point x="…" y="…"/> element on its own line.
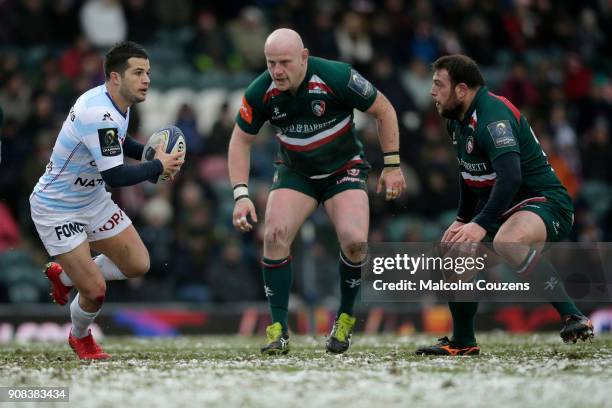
<point x="339" y="339"/>
<point x="278" y="342"/>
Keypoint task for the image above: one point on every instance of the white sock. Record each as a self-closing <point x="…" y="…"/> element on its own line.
<point x="80" y="318"/>
<point x="65" y="279"/>
<point x="109" y="269"/>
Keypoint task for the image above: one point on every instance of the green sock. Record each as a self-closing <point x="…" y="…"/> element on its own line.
<point x="544" y="270"/>
<point x="277" y="284"/>
<point x="463" y="322"/>
<point x="350" y="282"/>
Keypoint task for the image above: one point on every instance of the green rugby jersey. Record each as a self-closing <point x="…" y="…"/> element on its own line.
<point x="315" y="126"/>
<point x="491" y="127"/>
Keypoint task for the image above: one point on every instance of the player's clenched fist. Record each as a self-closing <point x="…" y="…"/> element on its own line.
<point x="392" y="182"/>
<point x="242" y="209"/>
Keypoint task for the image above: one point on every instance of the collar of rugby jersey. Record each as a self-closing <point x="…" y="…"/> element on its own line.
<point x="468" y="114"/>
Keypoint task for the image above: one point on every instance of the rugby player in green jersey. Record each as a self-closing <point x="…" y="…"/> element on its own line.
<point x="509" y="192"/>
<point x="310" y="102"/>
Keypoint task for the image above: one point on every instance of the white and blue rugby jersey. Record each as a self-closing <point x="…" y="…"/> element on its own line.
<point x="89" y="142"/>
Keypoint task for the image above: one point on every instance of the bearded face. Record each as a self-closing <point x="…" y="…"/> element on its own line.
<point x="452" y="108"/>
<point x="445" y="96"/>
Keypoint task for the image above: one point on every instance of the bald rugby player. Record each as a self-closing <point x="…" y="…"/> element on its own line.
<point x="310" y="103"/>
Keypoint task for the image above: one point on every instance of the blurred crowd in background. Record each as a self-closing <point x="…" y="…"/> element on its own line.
<point x="552" y="59"/>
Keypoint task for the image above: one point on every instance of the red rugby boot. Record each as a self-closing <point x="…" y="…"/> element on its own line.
<point x="87" y="348"/>
<point x="59" y="292"/>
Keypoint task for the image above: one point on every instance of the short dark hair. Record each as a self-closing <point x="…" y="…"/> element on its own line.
<point x="461" y="69"/>
<point x="116" y="59"/>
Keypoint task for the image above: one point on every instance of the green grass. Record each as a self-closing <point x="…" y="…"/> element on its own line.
<point x="522" y="371"/>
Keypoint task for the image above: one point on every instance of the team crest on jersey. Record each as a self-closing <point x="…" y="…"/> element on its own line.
<point x="469" y="145"/>
<point x="318" y="107"/>
<point x="352" y="172"/>
<point x="109" y="142"/>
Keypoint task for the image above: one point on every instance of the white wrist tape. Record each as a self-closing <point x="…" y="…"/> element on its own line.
<point x="240" y="192"/>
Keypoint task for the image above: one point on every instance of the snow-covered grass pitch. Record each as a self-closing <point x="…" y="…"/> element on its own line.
<point x="381" y="371"/>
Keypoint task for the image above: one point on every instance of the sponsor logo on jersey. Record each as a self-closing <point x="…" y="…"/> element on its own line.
<point x="501" y="133"/>
<point x="475" y="167"/>
<point x="360" y="85"/>
<point x="107" y="116"/>
<point x="69" y="229"/>
<point x="109" y="142"/>
<point x="353" y="172"/>
<point x="277" y="114"/>
<point x="306" y="127"/>
<point x="318" y="107"/>
<point x="86" y="182"/>
<point x="469" y="144"/>
<point x="72" y="114"/>
<point x="246" y="112"/>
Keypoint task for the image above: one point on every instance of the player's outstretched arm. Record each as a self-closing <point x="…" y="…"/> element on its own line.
<point x="128" y="175"/>
<point x="391" y="178"/>
<point x="239" y="163"/>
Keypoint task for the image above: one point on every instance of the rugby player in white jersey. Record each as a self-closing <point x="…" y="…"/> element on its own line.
<point x="71" y="209"/>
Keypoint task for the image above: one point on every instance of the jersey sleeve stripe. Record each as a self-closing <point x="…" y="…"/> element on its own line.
<point x="509" y="105"/>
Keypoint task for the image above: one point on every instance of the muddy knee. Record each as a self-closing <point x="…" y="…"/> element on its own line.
<point x="355" y="251"/>
<point x="276" y="238"/>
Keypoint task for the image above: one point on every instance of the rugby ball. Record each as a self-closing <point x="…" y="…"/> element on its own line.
<point x="171" y="138"/>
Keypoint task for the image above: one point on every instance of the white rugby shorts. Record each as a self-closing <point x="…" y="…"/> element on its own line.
<point x="61" y="232"/>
